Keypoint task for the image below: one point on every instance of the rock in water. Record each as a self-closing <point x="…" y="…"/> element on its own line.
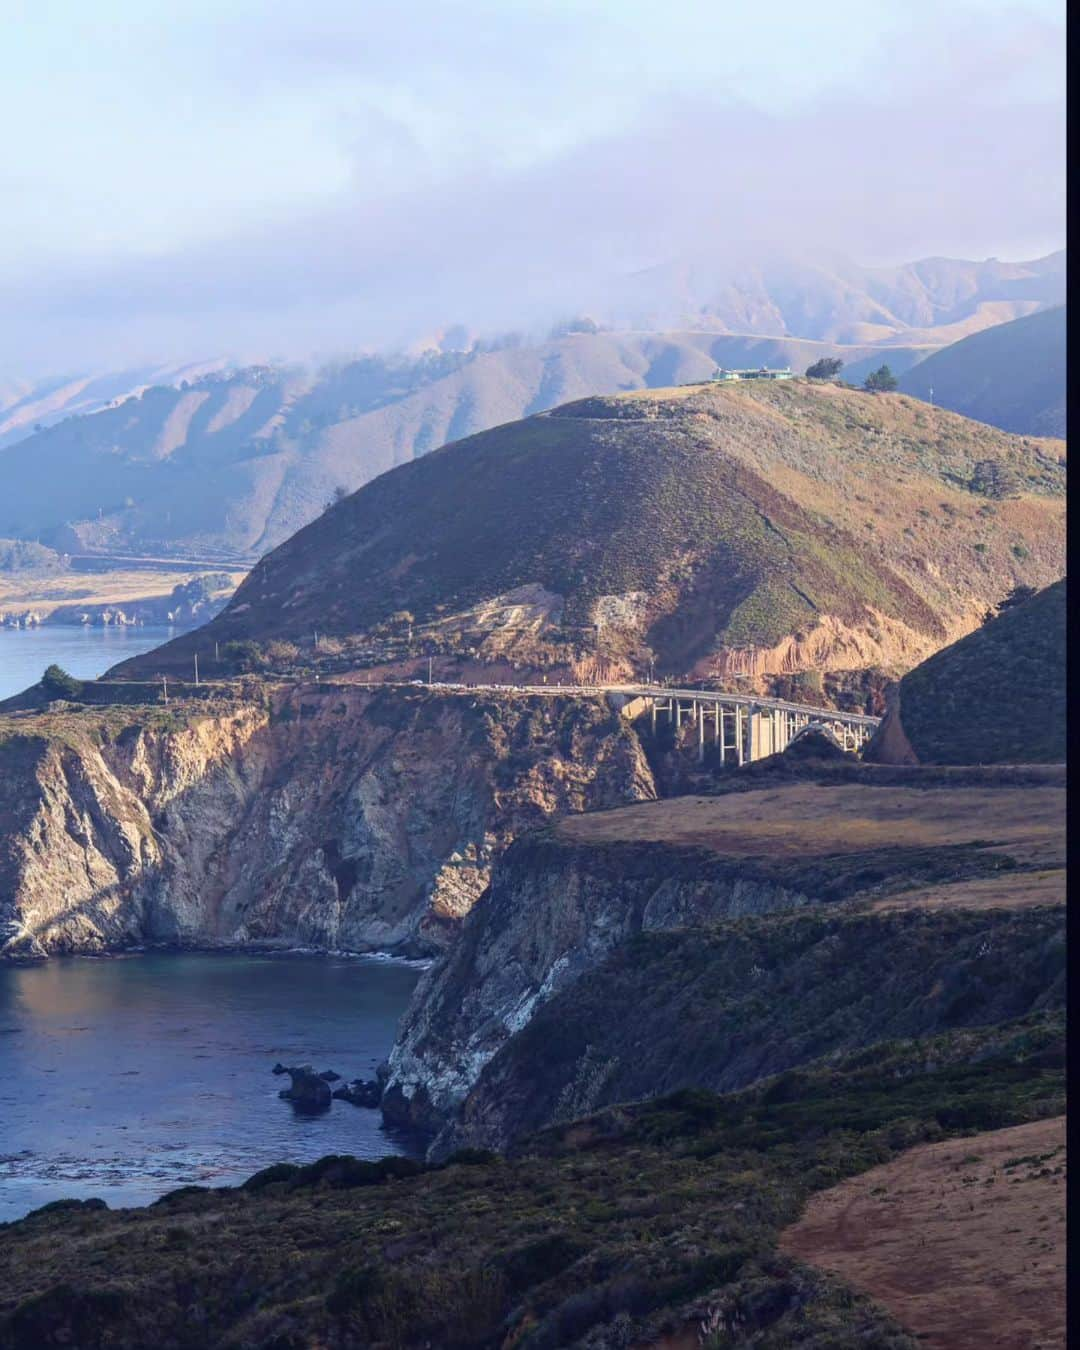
<point x="329" y="1076"/>
<point x="308" y="1092"/>
<point x="361" y="1093"/>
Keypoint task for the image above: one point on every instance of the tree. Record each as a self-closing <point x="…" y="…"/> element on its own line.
<point x="57" y="683"/>
<point x="339" y="494"/>
<point x="880" y="381"/>
<point x="826" y="369"/>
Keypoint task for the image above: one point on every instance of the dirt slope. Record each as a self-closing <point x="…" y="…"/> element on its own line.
<point x="963" y="1241"/>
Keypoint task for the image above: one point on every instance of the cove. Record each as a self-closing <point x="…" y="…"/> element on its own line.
<point x="125" y="1077"/>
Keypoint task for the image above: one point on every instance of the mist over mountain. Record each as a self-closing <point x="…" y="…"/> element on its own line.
<point x="230" y="462"/>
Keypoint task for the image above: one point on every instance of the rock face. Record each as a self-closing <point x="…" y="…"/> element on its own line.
<point x="707" y="941"/>
<point x="554" y="912"/>
<point x="336" y="817"/>
<point x="719" y="1008"/>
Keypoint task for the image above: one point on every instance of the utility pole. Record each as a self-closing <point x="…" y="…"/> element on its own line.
<point x="215" y="654"/>
<point x="196" y="670"/>
<point x="165" y="689"/>
<point x="931" y="396"/>
<point x="429" y="664"/>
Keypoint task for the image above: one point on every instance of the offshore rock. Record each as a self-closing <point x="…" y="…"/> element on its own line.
<point x="360" y="1092"/>
<point x="308" y="1092"/>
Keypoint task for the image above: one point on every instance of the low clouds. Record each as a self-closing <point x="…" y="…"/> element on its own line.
<point x="952" y="145"/>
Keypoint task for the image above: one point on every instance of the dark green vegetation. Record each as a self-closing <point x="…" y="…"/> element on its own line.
<point x="599" y="1234"/>
<point x="668" y="504"/>
<point x="825" y="369"/>
<point x="997" y="696"/>
<point x="720" y="1007"/>
<point x="57" y="683"/>
<point x="880" y="381"/>
<point x="1012" y="376"/>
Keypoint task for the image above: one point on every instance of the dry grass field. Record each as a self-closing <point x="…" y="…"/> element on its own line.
<point x="808" y="819"/>
<point x="962" y="1241"/>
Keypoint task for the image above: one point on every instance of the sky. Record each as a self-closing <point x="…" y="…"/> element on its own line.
<point x="279" y="179"/>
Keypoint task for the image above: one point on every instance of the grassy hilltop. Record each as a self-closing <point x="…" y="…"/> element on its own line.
<point x="830" y="527"/>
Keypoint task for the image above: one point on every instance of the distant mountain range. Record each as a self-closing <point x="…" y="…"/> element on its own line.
<point x="931" y="302"/>
<point x="228" y="462"/>
<point x="1012" y="376"/>
<point x="27" y="405"/>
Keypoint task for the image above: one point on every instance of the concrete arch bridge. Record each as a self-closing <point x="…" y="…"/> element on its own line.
<point x="742" y="727"/>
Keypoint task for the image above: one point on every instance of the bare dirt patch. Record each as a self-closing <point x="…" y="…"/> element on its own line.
<point x="808" y="820"/>
<point x="962" y="1241"/>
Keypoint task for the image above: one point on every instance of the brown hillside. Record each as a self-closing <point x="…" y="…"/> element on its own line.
<point x="962" y="1241"/>
<point x="751" y="529"/>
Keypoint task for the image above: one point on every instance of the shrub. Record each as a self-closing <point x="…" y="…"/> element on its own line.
<point x="57" y="683"/>
<point x="825" y="369"/>
<point x="245" y="656"/>
<point x="880" y="381"/>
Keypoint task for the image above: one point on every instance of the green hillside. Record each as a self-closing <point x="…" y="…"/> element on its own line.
<point x="1012" y="376"/>
<point x="693" y="522"/>
<point x="997" y="696"/>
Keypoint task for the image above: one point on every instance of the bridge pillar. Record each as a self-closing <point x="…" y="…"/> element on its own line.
<point x="700" y="734"/>
<point x="738" y="736"/>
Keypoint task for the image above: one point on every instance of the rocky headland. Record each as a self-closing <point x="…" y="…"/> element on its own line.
<point x="328" y="816"/>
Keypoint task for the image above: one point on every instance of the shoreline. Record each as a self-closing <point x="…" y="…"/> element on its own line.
<point x="268" y="947"/>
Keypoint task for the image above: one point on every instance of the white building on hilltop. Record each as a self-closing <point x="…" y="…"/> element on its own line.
<point x="763" y="373"/>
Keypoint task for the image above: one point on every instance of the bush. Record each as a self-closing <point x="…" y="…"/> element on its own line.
<point x="245" y="656"/>
<point x="880" y="381"/>
<point x="57" y="683"/>
<point x="825" y="369"/>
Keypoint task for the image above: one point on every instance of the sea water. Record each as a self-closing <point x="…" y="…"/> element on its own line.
<point x="125" y="1077"/>
<point x="83" y="651"/>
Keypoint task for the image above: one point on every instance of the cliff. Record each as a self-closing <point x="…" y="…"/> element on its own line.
<point x="602" y="893"/>
<point x="327" y="816"/>
<point x="721" y="1007"/>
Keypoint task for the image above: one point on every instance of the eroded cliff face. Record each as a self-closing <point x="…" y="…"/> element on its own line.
<point x="333" y="816"/>
<point x="702" y="941"/>
<point x="553" y="913"/>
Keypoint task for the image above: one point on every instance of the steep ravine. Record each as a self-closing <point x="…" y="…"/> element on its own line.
<point x="331" y="816"/>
